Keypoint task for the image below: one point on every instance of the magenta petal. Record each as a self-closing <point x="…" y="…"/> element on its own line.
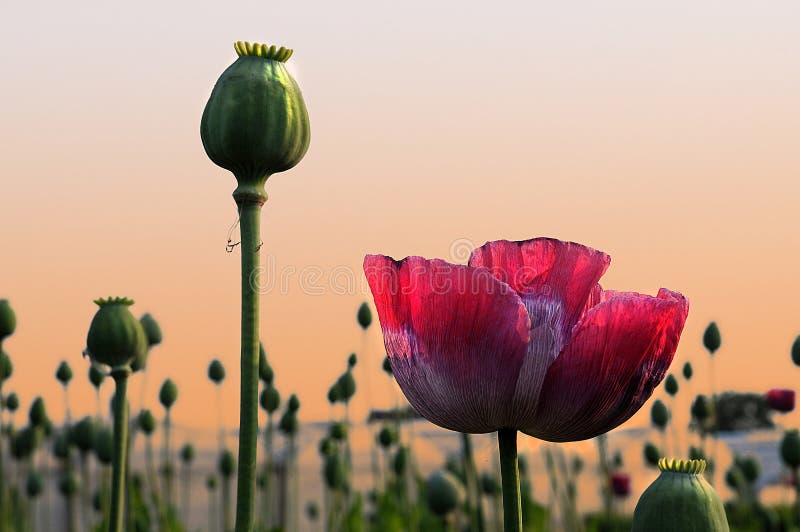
<point x="545" y="267"/>
<point x="617" y="355"/>
<point x="456" y="338"/>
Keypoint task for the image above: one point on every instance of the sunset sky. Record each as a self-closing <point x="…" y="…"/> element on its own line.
<point x="666" y="137"/>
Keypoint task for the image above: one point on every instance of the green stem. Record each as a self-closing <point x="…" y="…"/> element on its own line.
<point x="120" y="449"/>
<point x="3" y="513"/>
<point x="473" y="493"/>
<point x="249" y="220"/>
<point x="167" y="467"/>
<point x="509" y="471"/>
<point x="267" y="503"/>
<point x="226" y="504"/>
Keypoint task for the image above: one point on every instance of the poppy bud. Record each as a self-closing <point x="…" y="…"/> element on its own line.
<point x="265" y="372"/>
<point x="338" y="431"/>
<point x="780" y="400"/>
<point x="347" y="386"/>
<point x="659" y="414"/>
<point x="293" y="404"/>
<point x="152" y="330"/>
<point x="115" y="336"/>
<point x="364" y="316"/>
<point x="216" y="371"/>
<point x="146" y="422"/>
<point x="288" y="423"/>
<point x="749" y="466"/>
<point x="790" y="448"/>
<point x="211" y="482"/>
<point x="701" y="408"/>
<point x="187" y="453"/>
<point x="489" y="485"/>
<point x="64" y="373"/>
<point x="270" y="399"/>
<point x="12" y="402"/>
<point x="6" y="367"/>
<point x="734" y="478"/>
<point x="24" y="442"/>
<point x="255" y="123"/>
<point x="61" y="445"/>
<point x="37" y="415"/>
<point x="352" y="360"/>
<point x="82" y="434"/>
<point x="387" y="365"/>
<point x="325" y="447"/>
<point x="104" y="445"/>
<point x="620" y="484"/>
<point x="335" y="472"/>
<point x="168" y="394"/>
<point x="334" y="393"/>
<point x="443" y="493"/>
<point x="401" y="460"/>
<point x="679" y="499"/>
<point x="69" y="484"/>
<point x="671" y="385"/>
<point x="96" y="376"/>
<point x="226" y="464"/>
<point x="387" y="436"/>
<point x="8" y="320"/>
<point x="312" y="511"/>
<point x="688" y="371"/>
<point x="711" y="338"/>
<point x="651" y="454"/>
<point x="796" y="351"/>
<point x="34" y="484"/>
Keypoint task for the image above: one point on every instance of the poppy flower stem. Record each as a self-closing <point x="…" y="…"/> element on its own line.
<point x="249" y="220"/>
<point x="120" y="407"/>
<point x="509" y="471"/>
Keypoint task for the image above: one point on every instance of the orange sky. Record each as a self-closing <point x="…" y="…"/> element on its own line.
<point x="666" y="137"/>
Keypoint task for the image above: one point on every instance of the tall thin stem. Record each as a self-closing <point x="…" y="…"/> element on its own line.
<point x="509" y="471"/>
<point x="249" y="220"/>
<point x="120" y="450"/>
<point x="473" y="492"/>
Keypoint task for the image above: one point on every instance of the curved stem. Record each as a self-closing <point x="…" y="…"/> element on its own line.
<point x="120" y="451"/>
<point x="509" y="471"/>
<point x="249" y="220"/>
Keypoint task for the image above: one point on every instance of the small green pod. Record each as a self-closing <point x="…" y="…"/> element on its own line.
<point x="168" y="394"/>
<point x="796" y="351"/>
<point x="288" y="423"/>
<point x="187" y="453"/>
<point x="6" y="367"/>
<point x="671" y="385"/>
<point x="680" y="500"/>
<point x="270" y="399"/>
<point x="34" y="484"/>
<point x="216" y="371"/>
<point x="387" y="436"/>
<point x="443" y="493"/>
<point x="82" y="434"/>
<point x="659" y="414"/>
<point x="226" y="464"/>
<point x="293" y="404"/>
<point x="37" y="414"/>
<point x="115" y="336"/>
<point x="104" y="445"/>
<point x="146" y="422"/>
<point x="338" y="431"/>
<point x="712" y="338"/>
<point x="352" y="360"/>
<point x="12" y="402"/>
<point x="364" y="316"/>
<point x="8" y="320"/>
<point x="334" y="471"/>
<point x="152" y="332"/>
<point x="346" y="386"/>
<point x="64" y="373"/>
<point x="688" y="371"/>
<point x="96" y="376"/>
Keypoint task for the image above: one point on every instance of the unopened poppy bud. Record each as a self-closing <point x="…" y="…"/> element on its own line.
<point x="734" y="478"/>
<point x="216" y="371"/>
<point x="34" y="485"/>
<point x="443" y="493"/>
<point x="64" y="373"/>
<point x="401" y="460"/>
<point x="6" y="367"/>
<point x="37" y="415"/>
<point x="671" y="385"/>
<point x="352" y="360"/>
<point x="701" y="408"/>
<point x="11" y="403"/>
<point x="749" y="466"/>
<point x="168" y="394"/>
<point x="69" y="484"/>
<point x="61" y="445"/>
<point x="796" y="351"/>
<point x="387" y="436"/>
<point x="24" y="442"/>
<point x="780" y="400"/>
<point x="104" y="445"/>
<point x="489" y="485"/>
<point x="146" y="422"/>
<point x="387" y="365"/>
<point x="790" y="449"/>
<point x="293" y="405"/>
<point x="687" y="371"/>
<point x="8" y="320"/>
<point x="334" y="393"/>
<point x="270" y="399"/>
<point x="187" y="453"/>
<point x="226" y="464"/>
<point x="711" y="338"/>
<point x="325" y="447"/>
<point x="82" y="434"/>
<point x="265" y="372"/>
<point x="651" y="454"/>
<point x="347" y="386"/>
<point x="335" y="472"/>
<point x="288" y="423"/>
<point x="364" y="316"/>
<point x="678" y="500"/>
<point x="659" y="414"/>
<point x="152" y="330"/>
<point x="115" y="336"/>
<point x="620" y="484"/>
<point x="338" y="431"/>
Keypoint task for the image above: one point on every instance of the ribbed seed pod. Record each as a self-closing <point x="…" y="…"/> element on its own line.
<point x="115" y="336"/>
<point x="6" y="367"/>
<point x="37" y="415"/>
<point x="34" y="484"/>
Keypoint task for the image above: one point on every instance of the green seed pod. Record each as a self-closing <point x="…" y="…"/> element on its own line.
<point x="325" y="447"/>
<point x="387" y="366"/>
<point x="671" y="385"/>
<point x="34" y="485"/>
<point x="334" y="394"/>
<point x="168" y="394"/>
<point x="680" y="500"/>
<point x="8" y="320"/>
<point x="734" y="478"/>
<point x="211" y="482"/>
<point x="651" y="454"/>
<point x="288" y="423"/>
<point x="387" y="436"/>
<point x="401" y="460"/>
<point x="265" y="372"/>
<point x="82" y="434"/>
<point x="443" y="493"/>
<point x="69" y="484"/>
<point x="364" y="316"/>
<point x="659" y="414"/>
<point x="6" y="367"/>
<point x="293" y="404"/>
<point x="335" y="472"/>
<point x="104" y="445"/>
<point x="226" y="464"/>
<point x="37" y="415"/>
<point x="711" y="338"/>
<point x="187" y="453"/>
<point x="790" y="448"/>
<point x="25" y="442"/>
<point x="255" y="123"/>
<point x="749" y="466"/>
<point x="347" y="386"/>
<point x="152" y="330"/>
<point x="216" y="371"/>
<point x="146" y="422"/>
<point x="12" y="402"/>
<point x="489" y="485"/>
<point x="270" y="399"/>
<point x="338" y="431"/>
<point x="352" y="360"/>
<point x="312" y="511"/>
<point x="61" y="445"/>
<point x="115" y="336"/>
<point x="796" y="351"/>
<point x="64" y="373"/>
<point x="688" y="371"/>
<point x="701" y="408"/>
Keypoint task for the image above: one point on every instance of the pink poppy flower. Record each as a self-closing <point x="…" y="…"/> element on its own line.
<point x="523" y="338"/>
<point x="781" y="400"/>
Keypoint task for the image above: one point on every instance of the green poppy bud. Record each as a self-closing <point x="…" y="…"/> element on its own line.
<point x="293" y="404"/>
<point x="401" y="460"/>
<point x="338" y="431"/>
<point x="69" y="484"/>
<point x="364" y="316"/>
<point x="680" y="500"/>
<point x="168" y="394"/>
<point x="146" y="422"/>
<point x="211" y="482"/>
<point x="312" y="511"/>
<point x="288" y="423"/>
<point x="489" y="485"/>
<point x="12" y="402"/>
<point x="270" y="399"/>
<point x="687" y="371"/>
<point x="104" y="445"/>
<point x="651" y="454"/>
<point x="96" y="376"/>
<point x="82" y="434"/>
<point x="387" y="366"/>
<point x="335" y="472"/>
<point x="24" y="442"/>
<point x="334" y="394"/>
<point x="265" y="372"/>
<point x="347" y="386"/>
<point x="387" y="436"/>
<point x="659" y="414"/>
<point x="671" y="385"/>
<point x="152" y="330"/>
<point x="255" y="123"/>
<point x="64" y="373"/>
<point x="34" y="485"/>
<point x="790" y="448"/>
<point x="226" y="464"/>
<point x="325" y="447"/>
<point x="749" y="466"/>
<point x="216" y="371"/>
<point x="443" y="493"/>
<point x="61" y="445"/>
<point x="352" y="360"/>
<point x="115" y="336"/>
<point x="37" y="415"/>
<point x="711" y="338"/>
<point x="796" y="351"/>
<point x="701" y="408"/>
<point x="187" y="453"/>
<point x="734" y="478"/>
<point x="6" y="367"/>
<point x="8" y="320"/>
